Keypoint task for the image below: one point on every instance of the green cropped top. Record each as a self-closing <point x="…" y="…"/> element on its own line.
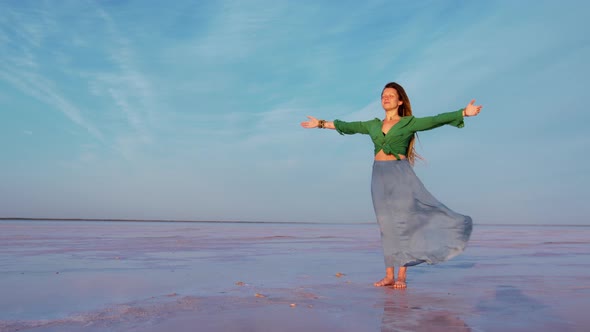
<point x="397" y="139"/>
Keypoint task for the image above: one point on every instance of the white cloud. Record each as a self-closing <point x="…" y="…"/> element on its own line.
<point x="21" y="68"/>
<point x="38" y="87"/>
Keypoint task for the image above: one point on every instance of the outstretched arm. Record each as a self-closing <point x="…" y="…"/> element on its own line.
<point x="450" y="118"/>
<point x="341" y="127"/>
<point x="315" y="123"/>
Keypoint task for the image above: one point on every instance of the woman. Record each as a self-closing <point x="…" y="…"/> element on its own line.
<point x="415" y="226"/>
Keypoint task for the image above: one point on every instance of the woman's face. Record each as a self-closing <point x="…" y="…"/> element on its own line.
<point x="390" y="99"/>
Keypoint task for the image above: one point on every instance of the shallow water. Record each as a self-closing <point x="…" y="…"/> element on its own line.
<point x="153" y="276"/>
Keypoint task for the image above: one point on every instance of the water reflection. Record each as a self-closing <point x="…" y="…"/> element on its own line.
<point x="404" y="312"/>
<point x="511" y="309"/>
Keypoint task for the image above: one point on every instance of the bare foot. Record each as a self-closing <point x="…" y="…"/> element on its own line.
<point x="400" y="283"/>
<point x="387" y="281"/>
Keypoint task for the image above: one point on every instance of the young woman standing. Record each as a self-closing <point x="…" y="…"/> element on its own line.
<point x="415" y="227"/>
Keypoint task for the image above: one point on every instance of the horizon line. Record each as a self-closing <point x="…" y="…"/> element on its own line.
<point x="252" y="221"/>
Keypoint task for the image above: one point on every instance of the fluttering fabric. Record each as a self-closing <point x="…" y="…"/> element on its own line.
<point x="415" y="227"/>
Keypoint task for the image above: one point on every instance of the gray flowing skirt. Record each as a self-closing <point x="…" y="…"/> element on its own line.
<point x="415" y="227"/>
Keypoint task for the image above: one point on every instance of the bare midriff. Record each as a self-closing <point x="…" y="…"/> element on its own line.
<point x="382" y="156"/>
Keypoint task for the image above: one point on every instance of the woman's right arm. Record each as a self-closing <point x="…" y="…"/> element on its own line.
<point x="315" y="123"/>
<point x="341" y="127"/>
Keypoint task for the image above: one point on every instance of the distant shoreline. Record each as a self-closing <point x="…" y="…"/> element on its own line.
<point x="173" y="220"/>
<point x="256" y="222"/>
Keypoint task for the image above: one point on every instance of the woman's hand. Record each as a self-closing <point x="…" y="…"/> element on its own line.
<point x="311" y="123"/>
<point x="472" y="110"/>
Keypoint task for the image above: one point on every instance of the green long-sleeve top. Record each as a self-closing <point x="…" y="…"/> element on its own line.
<point x="397" y="139"/>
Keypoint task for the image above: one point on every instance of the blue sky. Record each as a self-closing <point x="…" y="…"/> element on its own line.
<point x="191" y="109"/>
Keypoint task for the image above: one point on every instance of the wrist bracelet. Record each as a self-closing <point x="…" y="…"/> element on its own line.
<point x="321" y="123"/>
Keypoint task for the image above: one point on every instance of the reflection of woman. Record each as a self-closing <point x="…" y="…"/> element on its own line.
<point x="405" y="313"/>
<point x="415" y="226"/>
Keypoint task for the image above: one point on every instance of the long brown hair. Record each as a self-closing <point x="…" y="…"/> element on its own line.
<point x="405" y="109"/>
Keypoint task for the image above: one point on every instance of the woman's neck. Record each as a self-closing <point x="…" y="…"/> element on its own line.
<point x="391" y="115"/>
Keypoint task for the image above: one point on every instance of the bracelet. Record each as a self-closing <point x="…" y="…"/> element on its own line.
<point x="321" y="123"/>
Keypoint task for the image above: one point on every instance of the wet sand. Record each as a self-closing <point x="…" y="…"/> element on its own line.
<point x="168" y="276"/>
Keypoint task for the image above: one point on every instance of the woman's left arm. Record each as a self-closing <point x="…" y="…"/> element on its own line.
<point x="451" y="118"/>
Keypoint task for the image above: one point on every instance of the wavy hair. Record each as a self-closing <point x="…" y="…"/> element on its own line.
<point x="405" y="109"/>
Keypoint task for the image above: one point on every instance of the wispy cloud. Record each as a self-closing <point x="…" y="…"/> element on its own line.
<point x="21" y="68"/>
<point x="38" y="87"/>
<point x="121" y="90"/>
<point x="235" y="31"/>
<point x="131" y="90"/>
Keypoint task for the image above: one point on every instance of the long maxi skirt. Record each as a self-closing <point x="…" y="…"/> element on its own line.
<point x="415" y="227"/>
